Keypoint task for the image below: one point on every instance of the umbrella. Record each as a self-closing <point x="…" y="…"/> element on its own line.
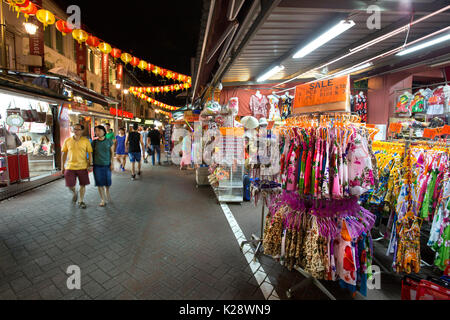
<point x="250" y="122"/>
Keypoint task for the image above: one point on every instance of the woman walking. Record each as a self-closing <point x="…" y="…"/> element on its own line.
<point x="121" y="154"/>
<point x="103" y="156"/>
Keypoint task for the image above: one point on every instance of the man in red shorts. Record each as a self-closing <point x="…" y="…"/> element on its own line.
<point x="75" y="163"/>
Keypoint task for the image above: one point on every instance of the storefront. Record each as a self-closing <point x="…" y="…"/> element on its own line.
<point x="27" y="139"/>
<point x="358" y="124"/>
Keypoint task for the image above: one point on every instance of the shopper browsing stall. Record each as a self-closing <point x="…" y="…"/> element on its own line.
<point x="154" y="143"/>
<point x="77" y="152"/>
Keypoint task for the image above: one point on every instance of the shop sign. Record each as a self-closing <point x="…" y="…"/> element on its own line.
<point x="120" y="113"/>
<point x="36" y="41"/>
<point x="138" y="119"/>
<point x="395" y="127"/>
<point x="323" y="95"/>
<point x="148" y="122"/>
<point x="82" y="62"/>
<point x="79" y="107"/>
<point x="429" y="133"/>
<point x="192" y="117"/>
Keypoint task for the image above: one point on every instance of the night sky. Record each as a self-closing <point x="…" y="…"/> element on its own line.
<point x="162" y="32"/>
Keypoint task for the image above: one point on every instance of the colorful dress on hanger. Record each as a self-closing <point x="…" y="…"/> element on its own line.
<point x="258" y="106"/>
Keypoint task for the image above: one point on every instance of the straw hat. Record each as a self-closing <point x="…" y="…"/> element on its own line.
<point x="250" y="122"/>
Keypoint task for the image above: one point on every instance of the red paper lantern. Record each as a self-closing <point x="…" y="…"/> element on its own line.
<point x="24" y="4"/>
<point x="30" y="10"/>
<point x="134" y="61"/>
<point x="116" y="53"/>
<point x="63" y="27"/>
<point x="92" y="41"/>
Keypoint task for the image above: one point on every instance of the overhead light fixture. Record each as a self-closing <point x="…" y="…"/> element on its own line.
<point x="30" y="28"/>
<point x="270" y="73"/>
<point x="117" y="85"/>
<point x="332" y="33"/>
<point x="125" y="91"/>
<point x="424" y="45"/>
<point x="350" y="70"/>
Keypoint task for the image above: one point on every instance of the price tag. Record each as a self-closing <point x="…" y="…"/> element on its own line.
<point x="395" y="127"/>
<point x="429" y="133"/>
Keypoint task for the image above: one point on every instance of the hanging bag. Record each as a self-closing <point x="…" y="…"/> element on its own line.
<point x="11" y="111"/>
<point x="42" y="116"/>
<point x="34" y="114"/>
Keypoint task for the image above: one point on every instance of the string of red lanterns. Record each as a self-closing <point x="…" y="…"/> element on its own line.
<point x="140" y="95"/>
<point x="46" y="17"/>
<point x="162" y="89"/>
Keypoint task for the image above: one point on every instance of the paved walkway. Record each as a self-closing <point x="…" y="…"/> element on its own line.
<point x="161" y="238"/>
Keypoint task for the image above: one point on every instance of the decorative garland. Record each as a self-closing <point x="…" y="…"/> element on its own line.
<point x="46" y="17"/>
<point x="162" y="89"/>
<point x="151" y="100"/>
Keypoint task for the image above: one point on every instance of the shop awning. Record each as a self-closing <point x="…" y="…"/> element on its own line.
<point x="12" y="84"/>
<point x="276" y="33"/>
<point x="89" y="94"/>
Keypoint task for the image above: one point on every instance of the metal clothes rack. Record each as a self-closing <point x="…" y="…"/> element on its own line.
<point x="255" y="239"/>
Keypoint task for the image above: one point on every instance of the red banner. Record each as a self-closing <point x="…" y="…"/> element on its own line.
<point x="37" y="41"/>
<point x="119" y="74"/>
<point x="81" y="61"/>
<point x="105" y="74"/>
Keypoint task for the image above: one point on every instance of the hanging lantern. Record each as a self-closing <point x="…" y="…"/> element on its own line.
<point x="22" y="3"/>
<point x="45" y="17"/>
<point x="104" y="47"/>
<point x="171" y="88"/>
<point x="63" y="27"/>
<point x="92" y="41"/>
<point x="28" y="11"/>
<point x="126" y="57"/>
<point x="157" y="89"/>
<point x="115" y="53"/>
<point x="149" y="67"/>
<point x="166" y="89"/>
<point x="169" y="74"/>
<point x="189" y="80"/>
<point x="142" y="65"/>
<point x="134" y="62"/>
<point x="80" y="35"/>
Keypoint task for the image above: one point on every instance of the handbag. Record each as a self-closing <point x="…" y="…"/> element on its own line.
<point x="10" y="111"/>
<point x="34" y="115"/>
<point x="42" y="116"/>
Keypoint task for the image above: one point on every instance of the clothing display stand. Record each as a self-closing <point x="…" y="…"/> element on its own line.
<point x="309" y="280"/>
<point x="4" y="166"/>
<point x="255" y="239"/>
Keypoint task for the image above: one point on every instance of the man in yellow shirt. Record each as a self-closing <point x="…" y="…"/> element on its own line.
<point x="75" y="163"/>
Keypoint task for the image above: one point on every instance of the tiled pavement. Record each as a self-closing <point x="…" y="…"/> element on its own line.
<point x="161" y="238"/>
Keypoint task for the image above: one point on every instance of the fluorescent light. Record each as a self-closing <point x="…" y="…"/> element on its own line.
<point x="424" y="45"/>
<point x="341" y="27"/>
<point x="270" y="73"/>
<point x="350" y="70"/>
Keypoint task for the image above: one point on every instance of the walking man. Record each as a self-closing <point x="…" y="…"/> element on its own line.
<point x="135" y="147"/>
<point x="154" y="141"/>
<point x="103" y="151"/>
<point x="76" y="159"/>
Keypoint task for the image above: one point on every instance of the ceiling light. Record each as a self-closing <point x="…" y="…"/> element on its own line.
<point x="117" y="85"/>
<point x="270" y="73"/>
<point x="350" y="70"/>
<point x="125" y="91"/>
<point x="341" y="27"/>
<point x="424" y="45"/>
<point x="30" y="28"/>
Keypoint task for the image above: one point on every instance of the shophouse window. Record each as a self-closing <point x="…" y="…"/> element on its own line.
<point x="91" y="65"/>
<point x="59" y="43"/>
<point x="48" y="37"/>
<point x="92" y="86"/>
<point x="75" y="50"/>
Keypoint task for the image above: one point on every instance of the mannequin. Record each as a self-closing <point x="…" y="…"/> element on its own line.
<point x="259" y="105"/>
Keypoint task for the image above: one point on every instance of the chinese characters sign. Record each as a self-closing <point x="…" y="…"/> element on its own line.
<point x="324" y="95"/>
